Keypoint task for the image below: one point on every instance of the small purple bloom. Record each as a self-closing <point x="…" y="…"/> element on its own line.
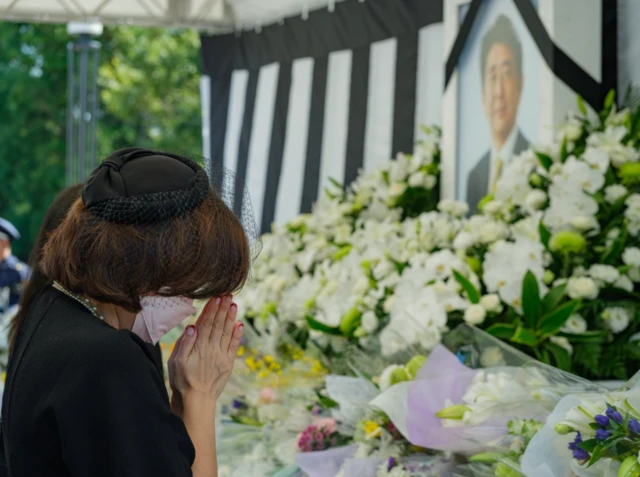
<point x="238" y="404"/>
<point x="316" y="410"/>
<point x="602" y="420"/>
<point x="634" y="426"/>
<point x="392" y="463"/>
<point x="602" y="434"/>
<point x="578" y="453"/>
<point x="615" y="415"/>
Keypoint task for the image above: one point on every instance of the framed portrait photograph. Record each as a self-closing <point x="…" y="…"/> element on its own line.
<point x="502" y="93"/>
<point x="498" y="98"/>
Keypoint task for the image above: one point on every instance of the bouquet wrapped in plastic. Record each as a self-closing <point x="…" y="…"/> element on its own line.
<point x="588" y="435"/>
<point x="464" y="396"/>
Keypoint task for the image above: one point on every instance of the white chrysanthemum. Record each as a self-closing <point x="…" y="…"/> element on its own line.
<point x="575" y="325"/>
<point x="632" y="213"/>
<point x="475" y="314"/>
<point x="631" y="256"/>
<point x="453" y="207"/>
<point x="604" y="273"/>
<point x="294" y="300"/>
<point x="506" y="264"/>
<point x="582" y="287"/>
<point x="616" y="319"/>
<point x="614" y="192"/>
<point x="565" y="204"/>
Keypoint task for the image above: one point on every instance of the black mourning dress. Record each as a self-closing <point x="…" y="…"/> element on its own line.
<point x="83" y="399"/>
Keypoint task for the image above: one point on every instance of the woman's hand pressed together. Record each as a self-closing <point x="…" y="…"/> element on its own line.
<point x="199" y="368"/>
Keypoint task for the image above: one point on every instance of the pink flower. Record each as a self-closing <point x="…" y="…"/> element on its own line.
<point x="267" y="395"/>
<point x="327" y="424"/>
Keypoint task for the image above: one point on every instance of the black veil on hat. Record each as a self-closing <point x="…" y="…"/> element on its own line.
<point x="139" y="186"/>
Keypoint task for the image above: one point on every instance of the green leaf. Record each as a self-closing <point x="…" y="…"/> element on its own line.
<point x="335" y="183"/>
<point x="614" y="252"/>
<point x="326" y="402"/>
<point x="502" y="331"/>
<point x="560" y="355"/>
<point x="531" y="305"/>
<point x="553" y="298"/>
<point x="581" y="107"/>
<point x="472" y="294"/>
<point x="545" y="235"/>
<point x="525" y="337"/>
<point x="588" y="445"/>
<point x="545" y="160"/>
<point x="608" y="101"/>
<point x="553" y="321"/>
<point x="563" y="151"/>
<point x="316" y="325"/>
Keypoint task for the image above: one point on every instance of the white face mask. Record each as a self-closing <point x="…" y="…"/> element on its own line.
<point x="160" y="314"/>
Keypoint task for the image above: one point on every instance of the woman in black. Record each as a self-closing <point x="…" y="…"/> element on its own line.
<point x="37" y="281"/>
<point x="83" y="396"/>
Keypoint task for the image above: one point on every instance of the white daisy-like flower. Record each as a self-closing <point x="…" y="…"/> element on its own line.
<point x="614" y="192"/>
<point x="582" y="287"/>
<point x="575" y="325"/>
<point x="616" y="318"/>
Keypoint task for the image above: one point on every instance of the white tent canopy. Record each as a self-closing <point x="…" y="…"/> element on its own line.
<point x="224" y="15"/>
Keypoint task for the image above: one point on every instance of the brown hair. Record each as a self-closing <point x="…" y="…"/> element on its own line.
<point x="201" y="254"/>
<point x="53" y="218"/>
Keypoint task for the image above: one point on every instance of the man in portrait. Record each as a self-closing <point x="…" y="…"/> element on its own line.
<point x="502" y="82"/>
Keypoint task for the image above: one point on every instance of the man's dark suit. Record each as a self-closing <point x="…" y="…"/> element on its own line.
<point x="478" y="180"/>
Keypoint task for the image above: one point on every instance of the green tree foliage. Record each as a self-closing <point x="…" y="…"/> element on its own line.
<point x="149" y="82"/>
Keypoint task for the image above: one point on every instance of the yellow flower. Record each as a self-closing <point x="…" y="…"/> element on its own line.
<point x="372" y="429"/>
<point x="241" y="351"/>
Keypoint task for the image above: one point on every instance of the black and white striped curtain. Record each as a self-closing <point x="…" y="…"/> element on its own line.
<point x="296" y="103"/>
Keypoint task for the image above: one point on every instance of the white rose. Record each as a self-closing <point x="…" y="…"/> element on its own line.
<point x="604" y="273"/>
<point x="416" y="179"/>
<point x="475" y="314"/>
<point x="624" y="283"/>
<point x="369" y="322"/>
<point x="430" y="182"/>
<point x="573" y="129"/>
<point x="582" y="287"/>
<point x="535" y="199"/>
<point x="397" y="189"/>
<point x="494" y="207"/>
<point x="491" y="303"/>
<point x="614" y="192"/>
<point x="562" y="342"/>
<point x="575" y="325"/>
<point x="384" y="381"/>
<point x="584" y="222"/>
<point x="631" y="256"/>
<point x="616" y="318"/>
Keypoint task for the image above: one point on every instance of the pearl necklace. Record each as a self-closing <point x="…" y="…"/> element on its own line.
<point x="83" y="301"/>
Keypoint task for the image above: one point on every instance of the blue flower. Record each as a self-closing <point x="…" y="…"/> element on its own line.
<point x="578" y="453"/>
<point x="391" y="464"/>
<point x="602" y="420"/>
<point x="634" y="426"/>
<point x="615" y="415"/>
<point x="602" y="434"/>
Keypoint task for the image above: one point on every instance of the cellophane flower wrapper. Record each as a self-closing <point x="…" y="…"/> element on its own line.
<point x="548" y="454"/>
<point x="496" y="382"/>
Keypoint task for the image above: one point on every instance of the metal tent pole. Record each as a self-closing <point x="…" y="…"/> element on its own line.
<point x="82" y="99"/>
